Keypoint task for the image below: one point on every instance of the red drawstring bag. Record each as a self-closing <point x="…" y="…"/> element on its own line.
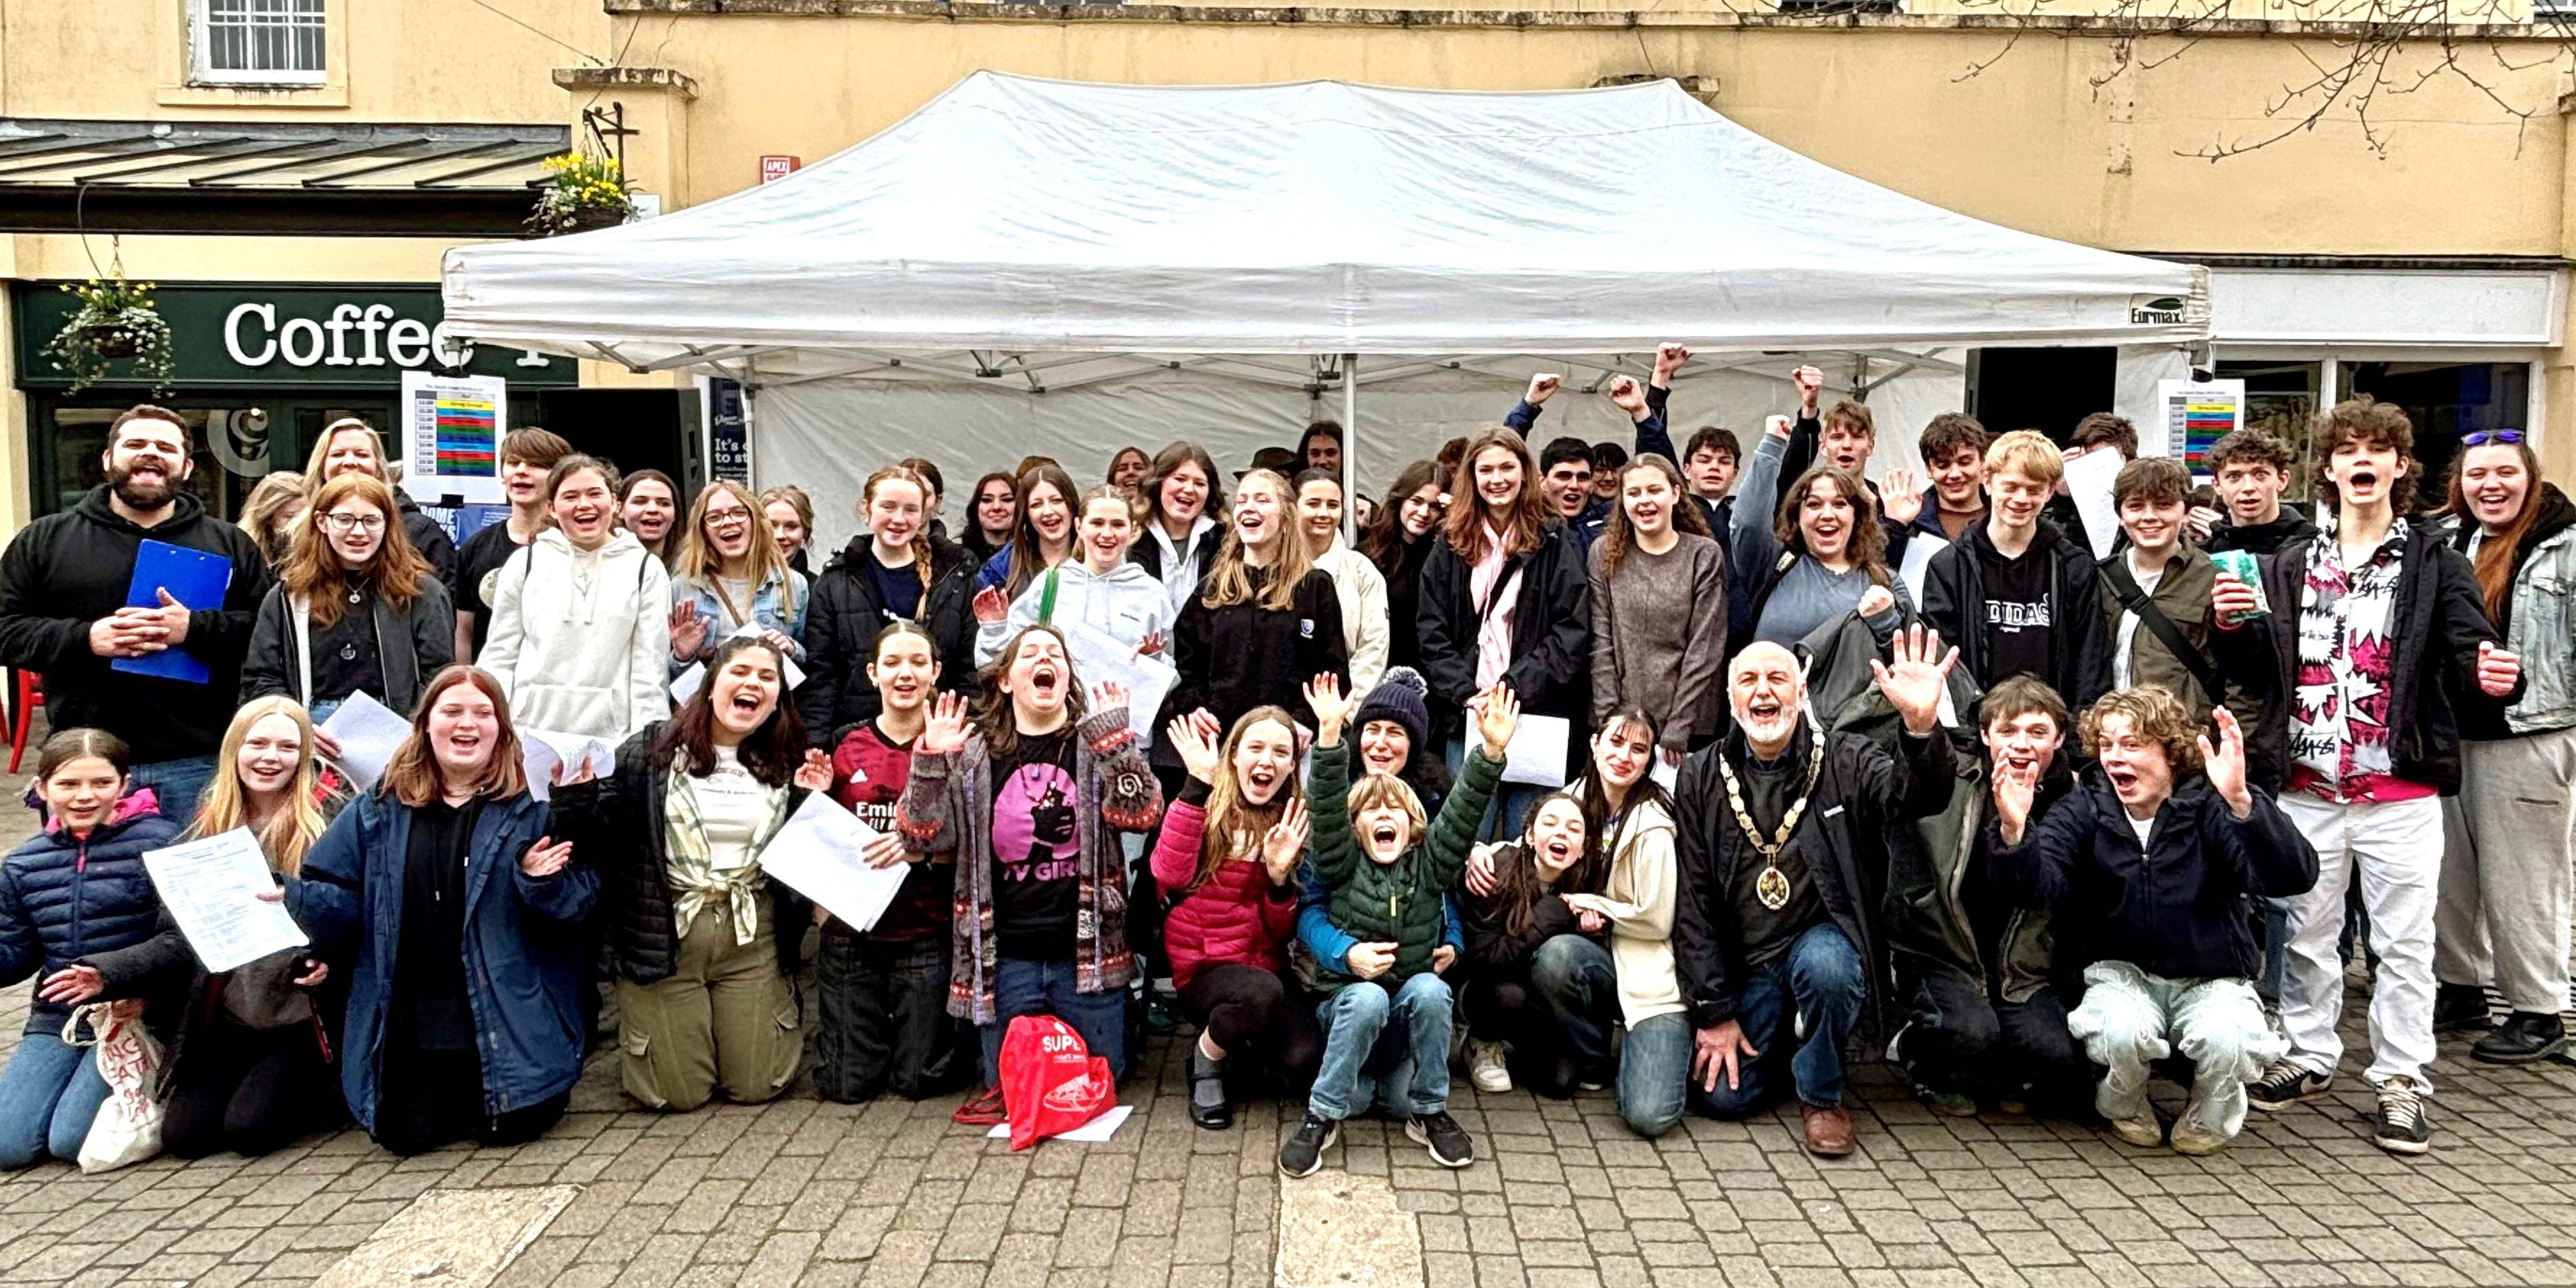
<point x="1051" y="1083"/>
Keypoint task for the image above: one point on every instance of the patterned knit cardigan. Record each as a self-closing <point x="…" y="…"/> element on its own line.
<point x="947" y="808"/>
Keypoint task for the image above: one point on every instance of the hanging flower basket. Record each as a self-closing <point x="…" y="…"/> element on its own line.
<point x="116" y="322"/>
<point x="587" y="193"/>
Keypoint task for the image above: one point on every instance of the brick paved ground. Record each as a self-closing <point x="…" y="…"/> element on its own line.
<point x="891" y="1194"/>
<point x="801" y="1191"/>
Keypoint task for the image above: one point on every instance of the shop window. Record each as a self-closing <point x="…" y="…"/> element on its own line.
<point x="234" y="441"/>
<point x="2281" y="399"/>
<point x="2445" y="400"/>
<point x="256" y="42"/>
<point x="2047" y="389"/>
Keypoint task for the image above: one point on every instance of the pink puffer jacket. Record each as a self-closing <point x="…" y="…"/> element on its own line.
<point x="1237" y="916"/>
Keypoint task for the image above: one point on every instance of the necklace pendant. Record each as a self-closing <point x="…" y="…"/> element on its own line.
<point x="1772" y="887"/>
<point x="348" y="652"/>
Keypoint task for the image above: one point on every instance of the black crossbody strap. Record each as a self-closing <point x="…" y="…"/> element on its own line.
<point x="2134" y="597"/>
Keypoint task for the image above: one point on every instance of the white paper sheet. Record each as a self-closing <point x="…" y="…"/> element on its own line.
<point x="1098" y="658"/>
<point x="543" y="751"/>
<point x="369" y="734"/>
<point x="1666" y="774"/>
<point x="1536" y="757"/>
<point x="211" y="888"/>
<point x="1094" y="1132"/>
<point x="2088" y="480"/>
<point x="817" y="851"/>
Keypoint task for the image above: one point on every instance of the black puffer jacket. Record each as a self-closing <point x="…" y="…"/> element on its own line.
<point x="427" y="538"/>
<point x="1551" y="667"/>
<point x="618" y="824"/>
<point x="841" y="627"/>
<point x="1242" y="656"/>
<point x="63" y="898"/>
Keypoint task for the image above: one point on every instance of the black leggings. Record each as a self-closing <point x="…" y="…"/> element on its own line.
<point x="1252" y="1012"/>
<point x="250" y="1091"/>
<point x="426" y="1099"/>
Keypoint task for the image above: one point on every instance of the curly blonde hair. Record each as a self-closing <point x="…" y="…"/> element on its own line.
<point x="2157" y="716"/>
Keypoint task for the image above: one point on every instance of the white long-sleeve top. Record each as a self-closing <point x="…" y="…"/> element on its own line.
<point x="1365" y="629"/>
<point x="581" y="640"/>
<point x="1638" y="898"/>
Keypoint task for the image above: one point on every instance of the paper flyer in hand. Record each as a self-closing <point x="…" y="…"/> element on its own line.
<point x="2088" y="480"/>
<point x="687" y="684"/>
<point x="1098" y="658"/>
<point x="543" y="752"/>
<point x="369" y="733"/>
<point x="212" y="889"/>
<point x="820" y="851"/>
<point x="1536" y="757"/>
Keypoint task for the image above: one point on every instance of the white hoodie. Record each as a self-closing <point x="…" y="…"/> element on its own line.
<point x="1127" y="605"/>
<point x="581" y="640"/>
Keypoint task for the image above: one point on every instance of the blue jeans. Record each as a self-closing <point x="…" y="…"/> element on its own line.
<point x="1415" y="1014"/>
<point x="1577" y="982"/>
<point x="48" y="1095"/>
<point x="1046" y="988"/>
<point x="2276" y="948"/>
<point x="1654" y="1073"/>
<point x="1796" y="1009"/>
<point x="176" y="783"/>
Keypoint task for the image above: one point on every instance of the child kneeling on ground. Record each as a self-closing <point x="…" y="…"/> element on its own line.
<point x="2149" y="865"/>
<point x="1388" y="874"/>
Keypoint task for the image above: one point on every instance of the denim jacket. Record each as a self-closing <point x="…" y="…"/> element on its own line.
<point x="765" y="610"/>
<point x="2543" y="634"/>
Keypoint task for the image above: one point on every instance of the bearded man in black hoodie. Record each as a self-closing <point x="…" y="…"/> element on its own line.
<point x="63" y="611"/>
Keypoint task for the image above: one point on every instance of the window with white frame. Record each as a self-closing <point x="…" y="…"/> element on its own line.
<point x="256" y="42"/>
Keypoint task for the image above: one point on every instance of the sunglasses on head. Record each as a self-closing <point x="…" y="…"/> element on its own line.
<point x="2482" y="437"/>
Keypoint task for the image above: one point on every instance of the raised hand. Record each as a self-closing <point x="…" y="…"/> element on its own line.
<point x="1542" y="387"/>
<point x="2497" y="669"/>
<point x="1498" y="713"/>
<point x="1285" y="844"/>
<point x="990" y="607"/>
<point x="1669" y="357"/>
<point x="545" y="860"/>
<point x="945" y="730"/>
<point x="1331" y="706"/>
<point x="2225" y="763"/>
<point x="1776" y="426"/>
<point x="2016" y="791"/>
<point x="1913" y="683"/>
<point x="815" y="775"/>
<point x="1628" y="395"/>
<point x="1811" y="387"/>
<point x="1108" y="695"/>
<point x="1900" y="495"/>
<point x="1194" y="738"/>
<point x="688" y="631"/>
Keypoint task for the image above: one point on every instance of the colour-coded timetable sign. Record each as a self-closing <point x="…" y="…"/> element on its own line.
<point x="452" y="429"/>
<point x="2197" y="415"/>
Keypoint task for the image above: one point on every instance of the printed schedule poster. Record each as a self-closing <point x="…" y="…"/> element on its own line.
<point x="452" y="427"/>
<point x="2198" y="414"/>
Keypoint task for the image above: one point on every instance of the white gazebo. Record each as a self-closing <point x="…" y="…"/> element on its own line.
<point x="1028" y="265"/>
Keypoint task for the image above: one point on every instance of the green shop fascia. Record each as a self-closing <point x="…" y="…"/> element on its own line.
<point x="258" y="370"/>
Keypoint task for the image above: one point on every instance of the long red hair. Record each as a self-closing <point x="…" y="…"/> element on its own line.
<point x="313" y="567"/>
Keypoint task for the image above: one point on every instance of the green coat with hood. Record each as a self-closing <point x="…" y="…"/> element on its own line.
<point x="1400" y="902"/>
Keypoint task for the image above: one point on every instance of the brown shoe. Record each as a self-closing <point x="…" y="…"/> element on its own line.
<point x="1829" y="1131"/>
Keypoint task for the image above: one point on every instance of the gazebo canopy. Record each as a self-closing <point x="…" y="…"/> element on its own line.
<point x="1019" y="216"/>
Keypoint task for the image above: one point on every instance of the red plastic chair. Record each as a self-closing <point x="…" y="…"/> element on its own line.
<point x="29" y="695"/>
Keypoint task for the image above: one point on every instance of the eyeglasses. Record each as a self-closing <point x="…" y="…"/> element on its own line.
<point x="355" y="522"/>
<point x="735" y="515"/>
<point x="2482" y="437"/>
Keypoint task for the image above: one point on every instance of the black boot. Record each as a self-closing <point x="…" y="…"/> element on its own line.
<point x="1208" y="1106"/>
<point x="2526" y="1037"/>
<point x="2460" y="1008"/>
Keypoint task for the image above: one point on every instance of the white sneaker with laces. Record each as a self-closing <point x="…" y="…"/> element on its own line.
<point x="1486" y="1067"/>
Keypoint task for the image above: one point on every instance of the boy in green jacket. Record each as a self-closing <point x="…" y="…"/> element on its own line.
<point x="1388" y="874"/>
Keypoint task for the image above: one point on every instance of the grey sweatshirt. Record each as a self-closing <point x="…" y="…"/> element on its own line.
<point x="1659" y="638"/>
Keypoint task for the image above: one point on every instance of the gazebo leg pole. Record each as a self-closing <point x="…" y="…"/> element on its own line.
<point x="1350" y="450"/>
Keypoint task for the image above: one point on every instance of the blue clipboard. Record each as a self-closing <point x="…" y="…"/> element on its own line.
<point x="197" y="578"/>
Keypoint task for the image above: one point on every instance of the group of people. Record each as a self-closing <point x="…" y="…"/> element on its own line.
<point x="2035" y="826"/>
